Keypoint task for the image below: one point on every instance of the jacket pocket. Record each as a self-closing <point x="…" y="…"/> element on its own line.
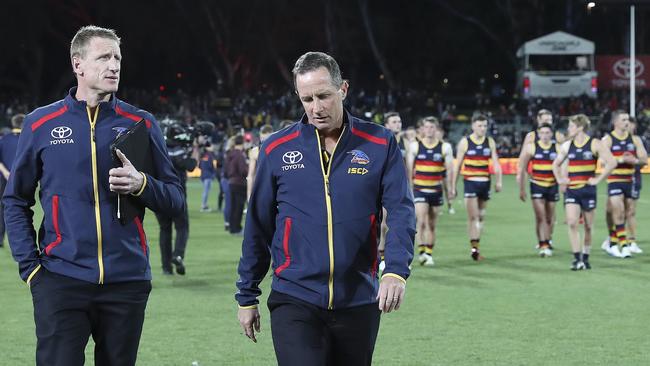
<point x="285" y="247"/>
<point x="143" y="236"/>
<point x="373" y="245"/>
<point x="55" y="224"/>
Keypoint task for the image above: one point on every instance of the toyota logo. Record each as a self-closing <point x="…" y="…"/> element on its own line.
<point x="292" y="157"/>
<point x="621" y="68"/>
<point x="61" y="132"/>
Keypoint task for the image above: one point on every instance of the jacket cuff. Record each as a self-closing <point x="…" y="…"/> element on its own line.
<point x="248" y="307"/>
<point x="393" y="275"/>
<point x="144" y="185"/>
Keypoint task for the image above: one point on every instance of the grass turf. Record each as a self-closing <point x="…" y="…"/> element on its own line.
<point x="514" y="308"/>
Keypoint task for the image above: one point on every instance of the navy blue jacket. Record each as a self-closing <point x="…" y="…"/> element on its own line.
<point x="8" y="145"/>
<point x="66" y="150"/>
<point x="321" y="231"/>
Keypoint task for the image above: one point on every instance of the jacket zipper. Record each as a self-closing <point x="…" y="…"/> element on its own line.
<point x="328" y="204"/>
<point x="98" y="223"/>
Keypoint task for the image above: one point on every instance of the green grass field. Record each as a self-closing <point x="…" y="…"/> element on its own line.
<point x="514" y="308"/>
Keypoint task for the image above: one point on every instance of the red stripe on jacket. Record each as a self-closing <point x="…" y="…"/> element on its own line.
<point x="48" y="117"/>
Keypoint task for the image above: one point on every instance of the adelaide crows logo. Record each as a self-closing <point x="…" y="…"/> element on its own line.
<point x="359" y="157"/>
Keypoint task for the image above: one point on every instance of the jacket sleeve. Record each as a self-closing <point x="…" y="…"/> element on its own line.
<point x="397" y="198"/>
<point x="258" y="234"/>
<point x="162" y="191"/>
<point x="18" y="200"/>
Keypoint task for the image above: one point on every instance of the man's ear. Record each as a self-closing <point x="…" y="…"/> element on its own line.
<point x="76" y="65"/>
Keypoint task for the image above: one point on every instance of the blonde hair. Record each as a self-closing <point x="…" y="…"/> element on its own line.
<point x="580" y="120"/>
<point x="83" y="36"/>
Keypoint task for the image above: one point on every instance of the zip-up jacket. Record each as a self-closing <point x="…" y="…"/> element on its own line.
<point x="320" y="227"/>
<point x="64" y="148"/>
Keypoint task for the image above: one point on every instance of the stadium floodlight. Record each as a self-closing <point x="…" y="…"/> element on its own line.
<point x="591" y="5"/>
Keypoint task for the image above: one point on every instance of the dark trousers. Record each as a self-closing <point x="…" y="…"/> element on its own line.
<point x="304" y="334"/>
<point x="182" y="226"/>
<point x="3" y="184"/>
<point x="67" y="311"/>
<point x="237" y="202"/>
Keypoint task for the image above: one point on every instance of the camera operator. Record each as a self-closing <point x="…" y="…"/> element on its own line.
<point x="179" y="140"/>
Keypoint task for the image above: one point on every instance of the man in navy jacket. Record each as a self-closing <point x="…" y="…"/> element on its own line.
<point x="315" y="214"/>
<point x="88" y="273"/>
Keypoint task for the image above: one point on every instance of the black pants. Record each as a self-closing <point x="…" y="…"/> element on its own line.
<point x="67" y="311"/>
<point x="304" y="334"/>
<point x="3" y="184"/>
<point x="237" y="202"/>
<point x="182" y="226"/>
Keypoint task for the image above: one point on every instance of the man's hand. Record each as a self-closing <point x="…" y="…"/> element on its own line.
<point x="498" y="186"/>
<point x="127" y="179"/>
<point x="249" y="319"/>
<point x="629" y="158"/>
<point x="452" y="193"/>
<point x="391" y="294"/>
<point x="522" y="195"/>
<point x="593" y="181"/>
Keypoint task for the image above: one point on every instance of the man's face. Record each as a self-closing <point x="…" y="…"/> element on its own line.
<point x="631" y="128"/>
<point x="479" y="128"/>
<point x="394" y="124"/>
<point x="545" y="134"/>
<point x="428" y="130"/>
<point x="573" y="129"/>
<point x="99" y="69"/>
<point x="410" y="134"/>
<point x="544" y="119"/>
<point x="622" y="123"/>
<point x="322" y="101"/>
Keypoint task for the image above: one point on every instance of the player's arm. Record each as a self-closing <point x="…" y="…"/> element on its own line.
<point x="18" y="201"/>
<point x="527" y="153"/>
<point x="496" y="165"/>
<point x="448" y="155"/>
<point x="461" y="149"/>
<point x="606" y="141"/>
<point x="562" y="154"/>
<point x="606" y="157"/>
<point x="411" y="153"/>
<point x="641" y="153"/>
<point x="530" y="137"/>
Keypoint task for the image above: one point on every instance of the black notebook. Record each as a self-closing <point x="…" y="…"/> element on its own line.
<point x="135" y="145"/>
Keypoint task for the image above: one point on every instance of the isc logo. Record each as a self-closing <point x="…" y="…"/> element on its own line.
<point x="361" y="171"/>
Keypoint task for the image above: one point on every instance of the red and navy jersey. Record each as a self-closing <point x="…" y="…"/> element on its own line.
<point x="623" y="172"/>
<point x="64" y="150"/>
<point x="477" y="159"/>
<point x="582" y="163"/>
<point x="318" y="220"/>
<point x="542" y="164"/>
<point x="429" y="168"/>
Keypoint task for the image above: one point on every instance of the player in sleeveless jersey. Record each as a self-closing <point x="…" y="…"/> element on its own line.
<point x="544" y="192"/>
<point x="579" y="184"/>
<point x="629" y="153"/>
<point x="427" y="162"/>
<point x="473" y="154"/>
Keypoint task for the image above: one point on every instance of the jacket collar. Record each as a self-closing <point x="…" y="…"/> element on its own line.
<point x="72" y="102"/>
<point x="348" y="119"/>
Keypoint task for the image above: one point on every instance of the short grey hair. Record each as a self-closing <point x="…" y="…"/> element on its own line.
<point x="311" y="61"/>
<point x="83" y="36"/>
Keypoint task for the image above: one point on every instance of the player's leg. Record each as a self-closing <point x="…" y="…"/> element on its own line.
<point x="589" y="226"/>
<point x="630" y="219"/>
<point x="473" y="225"/>
<point x="541" y="225"/>
<point x="421" y="217"/>
<point x="618" y="218"/>
<point x="382" y="240"/>
<point x="573" y="217"/>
